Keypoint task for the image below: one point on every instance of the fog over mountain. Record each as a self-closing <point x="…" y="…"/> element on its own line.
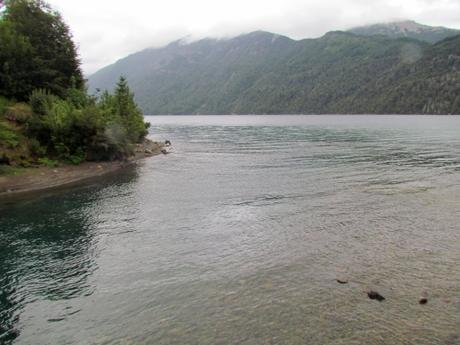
<point x="107" y="30"/>
<point x="266" y="73"/>
<point x="407" y="28"/>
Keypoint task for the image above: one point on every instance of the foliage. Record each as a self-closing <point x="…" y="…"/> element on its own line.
<point x="82" y="127"/>
<point x="8" y="137"/>
<point x="35" y="149"/>
<point x="36" y="51"/>
<point x="48" y="162"/>
<point x="125" y="109"/>
<point x="16" y="63"/>
<point x="60" y="123"/>
<point x="19" y="113"/>
<point x="4" y="104"/>
<point x="41" y="101"/>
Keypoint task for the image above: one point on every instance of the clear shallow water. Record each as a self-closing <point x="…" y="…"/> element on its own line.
<point x="238" y="237"/>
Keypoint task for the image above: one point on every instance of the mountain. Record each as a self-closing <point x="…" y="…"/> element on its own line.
<point x="408" y="28"/>
<point x="264" y="73"/>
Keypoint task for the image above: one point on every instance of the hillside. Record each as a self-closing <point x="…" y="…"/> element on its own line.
<point x="409" y="29"/>
<point x="264" y="73"/>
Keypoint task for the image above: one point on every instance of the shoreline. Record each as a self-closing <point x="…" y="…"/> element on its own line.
<point x="34" y="180"/>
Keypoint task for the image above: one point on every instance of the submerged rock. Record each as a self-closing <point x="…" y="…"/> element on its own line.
<point x="375" y="296"/>
<point x="423" y="300"/>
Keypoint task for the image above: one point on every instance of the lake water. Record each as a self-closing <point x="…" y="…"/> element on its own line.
<point x="238" y="237"/>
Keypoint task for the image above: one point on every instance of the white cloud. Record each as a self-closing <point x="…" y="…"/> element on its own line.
<point x="107" y="30"/>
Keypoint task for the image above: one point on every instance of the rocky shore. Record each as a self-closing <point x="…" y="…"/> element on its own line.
<point x="44" y="178"/>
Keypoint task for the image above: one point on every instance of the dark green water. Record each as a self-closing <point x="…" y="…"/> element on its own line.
<point x="238" y="237"/>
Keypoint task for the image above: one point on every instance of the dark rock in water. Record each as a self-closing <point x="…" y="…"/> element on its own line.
<point x="375" y="295"/>
<point x="340" y="281"/>
<point x="423" y="301"/>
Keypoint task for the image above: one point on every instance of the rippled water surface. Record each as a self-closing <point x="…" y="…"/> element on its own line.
<point x="238" y="237"/>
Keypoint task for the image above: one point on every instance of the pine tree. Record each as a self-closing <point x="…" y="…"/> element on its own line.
<point x="128" y="111"/>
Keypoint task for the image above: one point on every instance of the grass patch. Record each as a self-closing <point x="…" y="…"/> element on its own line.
<point x="10" y="170"/>
<point x="50" y="163"/>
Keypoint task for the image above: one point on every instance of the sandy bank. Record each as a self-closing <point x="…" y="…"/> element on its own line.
<point x="44" y="178"/>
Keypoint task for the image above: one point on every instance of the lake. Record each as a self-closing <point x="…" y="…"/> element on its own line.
<point x="238" y="237"/>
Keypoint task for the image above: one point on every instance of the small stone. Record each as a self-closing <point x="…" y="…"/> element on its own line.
<point x="423" y="300"/>
<point x="375" y="296"/>
<point x="55" y="171"/>
<point x="341" y="281"/>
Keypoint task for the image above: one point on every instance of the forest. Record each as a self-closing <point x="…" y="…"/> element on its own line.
<point x="265" y="73"/>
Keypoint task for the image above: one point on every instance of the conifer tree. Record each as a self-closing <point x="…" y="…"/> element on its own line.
<point x="128" y="111"/>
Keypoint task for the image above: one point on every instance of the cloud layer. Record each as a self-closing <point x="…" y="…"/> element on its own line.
<point x="107" y="30"/>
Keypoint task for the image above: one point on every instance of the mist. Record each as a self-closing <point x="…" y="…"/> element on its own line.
<point x="109" y="30"/>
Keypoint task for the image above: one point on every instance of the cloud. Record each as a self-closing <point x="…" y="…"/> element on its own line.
<point x="107" y="30"/>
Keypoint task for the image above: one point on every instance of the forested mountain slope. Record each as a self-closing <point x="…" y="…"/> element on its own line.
<point x="264" y="73"/>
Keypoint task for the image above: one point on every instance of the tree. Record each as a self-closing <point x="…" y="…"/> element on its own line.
<point x="15" y="63"/>
<point x="128" y="111"/>
<point x="53" y="60"/>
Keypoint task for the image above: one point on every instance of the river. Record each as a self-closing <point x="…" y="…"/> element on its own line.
<point x="239" y="235"/>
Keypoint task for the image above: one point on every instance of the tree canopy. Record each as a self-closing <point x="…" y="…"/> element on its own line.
<point x="36" y="51"/>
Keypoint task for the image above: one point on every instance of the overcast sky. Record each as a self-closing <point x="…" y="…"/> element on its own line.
<point x="107" y="30"/>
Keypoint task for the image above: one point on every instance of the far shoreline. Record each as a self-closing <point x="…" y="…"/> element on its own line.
<point x="36" y="180"/>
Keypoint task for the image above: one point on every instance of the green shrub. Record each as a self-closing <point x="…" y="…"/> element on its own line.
<point x="20" y="113"/>
<point x="8" y="137"/>
<point x="79" y="128"/>
<point x="78" y="98"/>
<point x="77" y="158"/>
<point x="48" y="162"/>
<point x="41" y="101"/>
<point x="35" y="148"/>
<point x="4" y="104"/>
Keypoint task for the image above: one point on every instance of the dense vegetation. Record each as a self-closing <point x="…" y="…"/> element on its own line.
<point x="46" y="114"/>
<point x="263" y="73"/>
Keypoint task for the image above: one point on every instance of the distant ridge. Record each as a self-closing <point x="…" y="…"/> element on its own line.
<point x="265" y="73"/>
<point x="407" y="28"/>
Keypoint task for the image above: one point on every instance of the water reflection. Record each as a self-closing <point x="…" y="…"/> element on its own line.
<point x="47" y="249"/>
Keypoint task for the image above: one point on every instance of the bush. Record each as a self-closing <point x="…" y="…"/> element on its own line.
<point x="80" y="128"/>
<point x="41" y="101"/>
<point x="110" y="144"/>
<point x="8" y="137"/>
<point x="19" y="113"/>
<point x="78" y="98"/>
<point x="4" y="104"/>
<point x="35" y="148"/>
<point x="77" y="158"/>
<point x="50" y="163"/>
